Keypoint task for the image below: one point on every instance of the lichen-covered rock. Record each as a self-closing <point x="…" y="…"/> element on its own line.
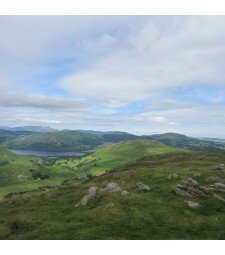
<point x="141" y="186"/>
<point x="112" y="187"/>
<point x="125" y="193"/>
<point x="84" y="200"/>
<point x="193" y="205"/>
<point x="218" y="167"/>
<point x="190" y="187"/>
<point x="220" y="185"/>
<point x="109" y="205"/>
<point x="91" y="194"/>
<point x="181" y="192"/>
<point x="92" y="191"/>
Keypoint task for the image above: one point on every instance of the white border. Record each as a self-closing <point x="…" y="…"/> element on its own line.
<point x="112" y="7"/>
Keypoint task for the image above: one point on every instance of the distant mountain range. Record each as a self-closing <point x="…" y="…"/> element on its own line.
<point x="48" y="139"/>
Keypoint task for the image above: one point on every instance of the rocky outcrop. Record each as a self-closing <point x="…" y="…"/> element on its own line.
<point x="91" y="194"/>
<point x="190" y="188"/>
<point x="220" y="185"/>
<point x="112" y="187"/>
<point x="218" y="167"/>
<point x="142" y="187"/>
<point x="193" y="205"/>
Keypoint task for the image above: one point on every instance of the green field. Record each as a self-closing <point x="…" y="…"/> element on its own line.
<point x="16" y="175"/>
<point x="115" y="155"/>
<point x="157" y="214"/>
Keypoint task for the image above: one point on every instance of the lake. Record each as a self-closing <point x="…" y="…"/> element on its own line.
<point x="48" y="153"/>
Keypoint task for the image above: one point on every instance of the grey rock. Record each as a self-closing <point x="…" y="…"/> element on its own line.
<point x="218" y="167"/>
<point x="109" y="205"/>
<point x="172" y="176"/>
<point x="112" y="187"/>
<point x="179" y="191"/>
<point x="91" y="194"/>
<point x="92" y="191"/>
<point x="125" y="193"/>
<point x="193" y="205"/>
<point x="190" y="188"/>
<point x="191" y="181"/>
<point x="220" y="185"/>
<point x="141" y="186"/>
<point x="84" y="200"/>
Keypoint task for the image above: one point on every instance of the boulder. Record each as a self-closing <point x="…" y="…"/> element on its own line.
<point x="190" y="187"/>
<point x="218" y="167"/>
<point x="172" y="176"/>
<point x="125" y="193"/>
<point x="112" y="187"/>
<point x="193" y="205"/>
<point x="109" y="205"/>
<point x="220" y="185"/>
<point x="91" y="194"/>
<point x="92" y="191"/>
<point x="181" y="192"/>
<point x="141" y="186"/>
<point x="84" y="200"/>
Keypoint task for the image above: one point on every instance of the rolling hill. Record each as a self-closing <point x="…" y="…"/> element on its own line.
<point x="182" y="141"/>
<point x="56" y="141"/>
<point x="155" y="214"/>
<point x="116" y="154"/>
<point x="25" y="173"/>
<point x="6" y="135"/>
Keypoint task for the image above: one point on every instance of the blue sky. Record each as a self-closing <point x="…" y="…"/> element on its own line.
<point x="140" y="74"/>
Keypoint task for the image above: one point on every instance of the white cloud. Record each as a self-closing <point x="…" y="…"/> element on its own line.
<point x="101" y="43"/>
<point x="191" y="51"/>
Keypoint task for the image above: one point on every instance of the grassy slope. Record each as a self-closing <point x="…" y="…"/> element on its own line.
<point x="116" y="154"/>
<point x="16" y="177"/>
<point x="158" y="214"/>
<point x="56" y="141"/>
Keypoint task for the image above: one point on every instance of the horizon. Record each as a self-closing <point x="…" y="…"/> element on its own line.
<point x="137" y="74"/>
<point x="107" y="131"/>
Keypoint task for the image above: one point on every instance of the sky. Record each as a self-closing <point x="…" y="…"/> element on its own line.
<point x="139" y="74"/>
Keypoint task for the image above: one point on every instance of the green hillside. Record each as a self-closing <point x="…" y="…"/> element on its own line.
<point x="6" y="135"/>
<point x="114" y="155"/>
<point x="56" y="141"/>
<point x="24" y="173"/>
<point x="182" y="141"/>
<point x="155" y="214"/>
<point x="21" y="173"/>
